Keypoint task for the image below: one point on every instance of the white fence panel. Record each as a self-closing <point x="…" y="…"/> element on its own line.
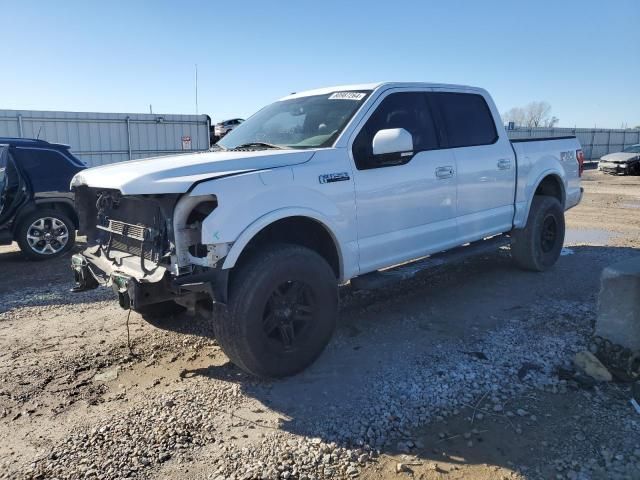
<point x="595" y="142"/>
<point x="102" y="138"/>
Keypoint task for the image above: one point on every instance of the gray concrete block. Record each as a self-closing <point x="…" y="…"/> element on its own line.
<point x="619" y="304"/>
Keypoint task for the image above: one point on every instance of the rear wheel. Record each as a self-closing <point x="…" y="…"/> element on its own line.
<point x="45" y="234"/>
<point x="281" y="313"/>
<point x="537" y="246"/>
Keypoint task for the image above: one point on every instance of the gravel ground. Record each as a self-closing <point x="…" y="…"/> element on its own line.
<point x="456" y="373"/>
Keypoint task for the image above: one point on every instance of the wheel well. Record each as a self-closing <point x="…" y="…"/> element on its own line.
<point x="551" y="186"/>
<point x="63" y="207"/>
<point x="301" y="231"/>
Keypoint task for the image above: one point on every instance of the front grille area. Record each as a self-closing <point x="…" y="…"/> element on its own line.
<point x="134" y="224"/>
<point x="136" y="232"/>
<point x="132" y="247"/>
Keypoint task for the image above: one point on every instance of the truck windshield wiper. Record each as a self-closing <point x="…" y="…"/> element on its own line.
<point x="257" y="145"/>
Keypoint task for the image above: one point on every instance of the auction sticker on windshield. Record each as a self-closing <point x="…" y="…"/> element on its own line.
<point x="347" y="96"/>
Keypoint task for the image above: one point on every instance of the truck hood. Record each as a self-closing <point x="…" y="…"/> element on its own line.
<point x="619" y="157"/>
<point x="177" y="173"/>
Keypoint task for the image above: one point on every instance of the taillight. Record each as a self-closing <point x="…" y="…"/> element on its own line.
<point x="580" y="157"/>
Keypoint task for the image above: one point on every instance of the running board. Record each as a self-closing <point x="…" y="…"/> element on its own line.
<point x="384" y="278"/>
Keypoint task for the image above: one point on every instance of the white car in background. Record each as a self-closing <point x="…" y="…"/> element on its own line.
<point x="222" y="128"/>
<point x="626" y="162"/>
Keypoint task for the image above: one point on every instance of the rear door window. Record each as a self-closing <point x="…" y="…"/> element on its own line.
<point x="466" y="118"/>
<point x="48" y="170"/>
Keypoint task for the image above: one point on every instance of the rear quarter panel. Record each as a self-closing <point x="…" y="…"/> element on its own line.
<point x="537" y="160"/>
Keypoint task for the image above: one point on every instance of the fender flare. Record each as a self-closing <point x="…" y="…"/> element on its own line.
<point x="544" y="174"/>
<point x="34" y="204"/>
<point x="264" y="221"/>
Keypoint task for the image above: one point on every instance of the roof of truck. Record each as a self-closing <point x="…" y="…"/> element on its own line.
<point x="376" y="86"/>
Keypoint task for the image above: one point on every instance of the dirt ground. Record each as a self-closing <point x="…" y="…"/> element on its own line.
<point x="453" y="374"/>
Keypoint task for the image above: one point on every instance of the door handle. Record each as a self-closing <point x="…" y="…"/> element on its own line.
<point x="444" y="172"/>
<point x="504" y="164"/>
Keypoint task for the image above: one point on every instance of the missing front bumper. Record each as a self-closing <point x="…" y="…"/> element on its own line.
<point x="135" y="290"/>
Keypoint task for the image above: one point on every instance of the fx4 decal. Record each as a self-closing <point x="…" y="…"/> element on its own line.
<point x="568" y="156"/>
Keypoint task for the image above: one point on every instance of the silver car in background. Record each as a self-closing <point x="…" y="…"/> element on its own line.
<point x="626" y="162"/>
<point x="224" y="127"/>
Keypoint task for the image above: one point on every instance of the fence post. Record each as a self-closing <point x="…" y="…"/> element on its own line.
<point x="20" y="126"/>
<point x="593" y="143"/>
<point x="624" y="140"/>
<point x="129" y="136"/>
<point x="609" y="142"/>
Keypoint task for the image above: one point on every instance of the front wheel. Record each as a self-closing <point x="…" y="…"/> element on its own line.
<point x="45" y="234"/>
<point x="537" y="247"/>
<point x="281" y="312"/>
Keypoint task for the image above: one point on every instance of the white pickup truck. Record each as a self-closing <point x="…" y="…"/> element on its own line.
<point x="315" y="190"/>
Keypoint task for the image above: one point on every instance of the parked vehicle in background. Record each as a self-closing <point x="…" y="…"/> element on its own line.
<point x="626" y="162"/>
<point x="36" y="205"/>
<point x="315" y="190"/>
<point x="224" y="127"/>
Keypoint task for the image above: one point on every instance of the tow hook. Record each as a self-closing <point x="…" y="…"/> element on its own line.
<point x="120" y="285"/>
<point x="84" y="279"/>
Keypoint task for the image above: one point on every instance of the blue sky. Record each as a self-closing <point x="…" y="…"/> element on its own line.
<point x="583" y="57"/>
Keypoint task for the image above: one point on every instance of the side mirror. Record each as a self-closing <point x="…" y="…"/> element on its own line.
<point x="392" y="140"/>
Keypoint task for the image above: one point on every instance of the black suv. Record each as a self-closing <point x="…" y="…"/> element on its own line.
<point x="36" y="205"/>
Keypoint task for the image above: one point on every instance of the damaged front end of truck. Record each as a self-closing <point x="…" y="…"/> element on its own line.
<point x="148" y="249"/>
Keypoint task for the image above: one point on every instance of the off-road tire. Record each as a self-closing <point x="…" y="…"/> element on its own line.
<point x="529" y="250"/>
<point x="241" y="328"/>
<point x="22" y="230"/>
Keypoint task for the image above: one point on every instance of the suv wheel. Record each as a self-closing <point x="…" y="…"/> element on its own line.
<point x="537" y="246"/>
<point x="281" y="313"/>
<point x="45" y="234"/>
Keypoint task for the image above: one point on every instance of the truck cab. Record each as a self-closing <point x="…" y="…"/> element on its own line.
<point x="318" y="189"/>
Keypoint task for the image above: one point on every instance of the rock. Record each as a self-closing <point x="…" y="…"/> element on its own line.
<point x="588" y="363"/>
<point x="352" y="471"/>
<point x="107" y="375"/>
<point x="619" y="304"/>
<point x="497" y="408"/>
<point x="402" y="467"/>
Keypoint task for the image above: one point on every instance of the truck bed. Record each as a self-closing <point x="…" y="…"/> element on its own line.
<point x="538" y="157"/>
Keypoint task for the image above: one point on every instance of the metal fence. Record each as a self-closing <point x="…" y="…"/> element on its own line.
<point x="101" y="138"/>
<point x="595" y="142"/>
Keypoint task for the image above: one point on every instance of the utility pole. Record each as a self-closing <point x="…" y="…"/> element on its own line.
<point x="196" y="89"/>
<point x="197" y="122"/>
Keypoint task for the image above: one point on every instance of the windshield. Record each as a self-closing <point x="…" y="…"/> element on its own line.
<point x="632" y="149"/>
<point x="305" y="122"/>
